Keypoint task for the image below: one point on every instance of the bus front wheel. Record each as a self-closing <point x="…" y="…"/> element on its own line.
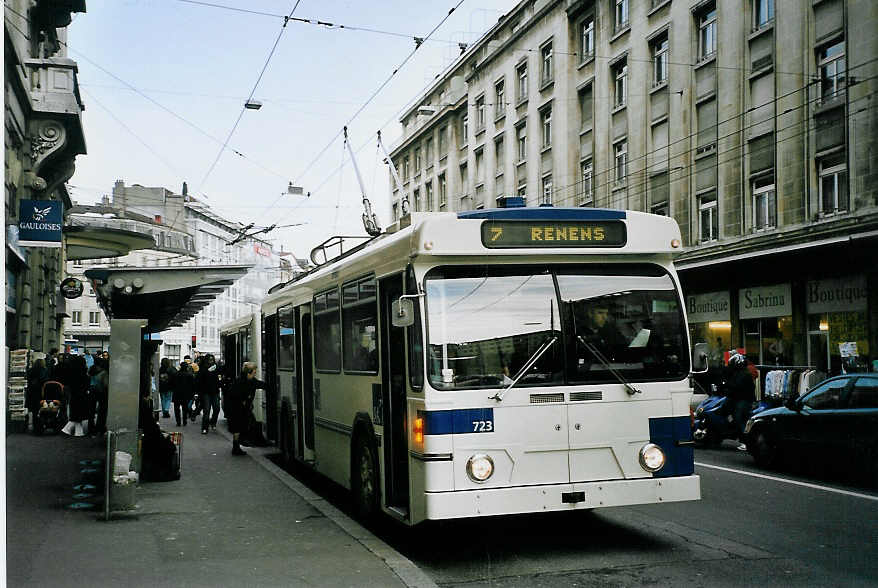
<point x="364" y="479"/>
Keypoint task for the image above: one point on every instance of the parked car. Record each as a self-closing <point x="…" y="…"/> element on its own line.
<point x="834" y="424"/>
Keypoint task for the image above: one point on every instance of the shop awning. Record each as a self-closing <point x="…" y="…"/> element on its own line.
<point x="163" y="296"/>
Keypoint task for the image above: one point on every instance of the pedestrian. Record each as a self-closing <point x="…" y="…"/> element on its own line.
<point x="741" y="393"/>
<point x="237" y="400"/>
<point x="184" y="384"/>
<point x="52" y="362"/>
<point x="100" y="378"/>
<point x="36" y="377"/>
<point x="208" y="386"/>
<point x="73" y="375"/>
<point x="167" y="372"/>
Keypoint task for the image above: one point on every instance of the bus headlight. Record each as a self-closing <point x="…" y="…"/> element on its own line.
<point x="479" y="467"/>
<point x="652" y="458"/>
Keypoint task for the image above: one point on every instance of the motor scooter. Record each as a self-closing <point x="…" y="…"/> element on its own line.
<point x="713" y="420"/>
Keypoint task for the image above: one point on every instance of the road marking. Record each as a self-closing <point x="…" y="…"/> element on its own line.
<point x="787" y="481"/>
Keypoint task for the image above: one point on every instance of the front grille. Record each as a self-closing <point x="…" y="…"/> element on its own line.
<point x="590" y="395"/>
<point x="546" y="398"/>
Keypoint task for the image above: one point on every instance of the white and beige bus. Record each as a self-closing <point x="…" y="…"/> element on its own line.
<point x="490" y="362"/>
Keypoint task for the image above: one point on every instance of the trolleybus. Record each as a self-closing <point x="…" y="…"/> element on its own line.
<point x="490" y="362"/>
<point x="240" y="341"/>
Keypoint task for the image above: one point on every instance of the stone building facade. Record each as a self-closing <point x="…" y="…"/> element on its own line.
<point x="753" y="123"/>
<point x="43" y="135"/>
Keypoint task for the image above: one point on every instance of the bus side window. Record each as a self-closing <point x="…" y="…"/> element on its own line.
<point x="414" y="337"/>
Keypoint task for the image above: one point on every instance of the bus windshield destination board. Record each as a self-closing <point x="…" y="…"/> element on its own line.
<point x="552" y="234"/>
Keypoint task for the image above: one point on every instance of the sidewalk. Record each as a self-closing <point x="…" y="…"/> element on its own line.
<point x="229" y="521"/>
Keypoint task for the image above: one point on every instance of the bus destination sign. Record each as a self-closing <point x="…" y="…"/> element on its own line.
<point x="553" y="234"/>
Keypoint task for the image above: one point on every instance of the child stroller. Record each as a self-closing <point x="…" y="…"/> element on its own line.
<point x="52" y="411"/>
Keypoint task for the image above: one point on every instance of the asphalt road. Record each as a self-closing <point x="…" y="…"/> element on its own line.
<point x="752" y="527"/>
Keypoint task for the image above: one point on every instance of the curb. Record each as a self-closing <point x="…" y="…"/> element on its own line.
<point x="410" y="574"/>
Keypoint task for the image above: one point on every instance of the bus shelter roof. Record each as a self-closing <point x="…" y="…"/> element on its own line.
<point x="163" y="296"/>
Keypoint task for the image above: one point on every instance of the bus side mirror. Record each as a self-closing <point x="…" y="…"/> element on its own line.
<point x="403" y="313"/>
<point x="699" y="358"/>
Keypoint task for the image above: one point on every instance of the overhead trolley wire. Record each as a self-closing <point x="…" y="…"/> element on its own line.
<point x="253" y="91"/>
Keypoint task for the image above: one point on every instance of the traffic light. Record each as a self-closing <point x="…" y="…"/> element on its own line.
<point x="193" y="341"/>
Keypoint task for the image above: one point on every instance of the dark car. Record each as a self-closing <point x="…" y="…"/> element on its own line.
<point x="835" y="424"/>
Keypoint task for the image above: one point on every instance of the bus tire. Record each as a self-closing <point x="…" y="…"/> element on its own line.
<point x="364" y="479"/>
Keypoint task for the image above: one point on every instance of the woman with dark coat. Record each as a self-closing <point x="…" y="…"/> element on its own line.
<point x="239" y="402"/>
<point x="36" y="377"/>
<point x="184" y="387"/>
<point x="71" y="372"/>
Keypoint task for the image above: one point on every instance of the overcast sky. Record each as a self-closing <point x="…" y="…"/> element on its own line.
<point x="164" y="82"/>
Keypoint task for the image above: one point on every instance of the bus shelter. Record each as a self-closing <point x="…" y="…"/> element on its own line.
<point x="141" y="302"/>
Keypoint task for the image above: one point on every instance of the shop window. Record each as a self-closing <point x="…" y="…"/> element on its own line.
<point x="327" y="322"/>
<point x="360" y="326"/>
<point x="708" y="217"/>
<point x="833" y="183"/>
<point x="827" y="332"/>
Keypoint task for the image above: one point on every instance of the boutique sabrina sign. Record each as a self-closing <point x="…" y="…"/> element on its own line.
<point x="39" y="223"/>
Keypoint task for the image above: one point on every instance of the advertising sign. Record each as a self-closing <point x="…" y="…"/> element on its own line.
<point x="39" y="223"/>
<point x="765" y="301"/>
<point x="711" y="306"/>
<point x="848" y="294"/>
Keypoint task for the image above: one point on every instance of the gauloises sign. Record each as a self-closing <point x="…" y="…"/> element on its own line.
<point x="39" y="223"/>
<point x="553" y="234"/>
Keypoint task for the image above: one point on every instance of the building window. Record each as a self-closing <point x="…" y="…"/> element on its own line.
<point x="546" y="125"/>
<point x="417" y="160"/>
<point x="499" y="99"/>
<point x="620" y="87"/>
<point x="443" y="141"/>
<point x="480" y="113"/>
<point x="831" y="64"/>
<point x="708" y="217"/>
<point x="833" y="184"/>
<point x="76" y="318"/>
<point x="521" y="137"/>
<point x="443" y="190"/>
<point x="707" y="33"/>
<point x="480" y="165"/>
<point x="586" y="183"/>
<point x="547" y="190"/>
<point x="464" y="128"/>
<point x="547" y="69"/>
<point x="464" y="180"/>
<point x="405" y="169"/>
<point x="620" y="157"/>
<point x="763" y="12"/>
<point x="586" y="38"/>
<point x="428" y="193"/>
<point x="585" y="108"/>
<point x="499" y="156"/>
<point x="660" y="208"/>
<point x="764" y="204"/>
<point x="621" y="14"/>
<point x="428" y="152"/>
<point x="416" y="199"/>
<point x="395" y="211"/>
<point x="522" y="190"/>
<point x="660" y="59"/>
<point x="94" y="319"/>
<point x="521" y="72"/>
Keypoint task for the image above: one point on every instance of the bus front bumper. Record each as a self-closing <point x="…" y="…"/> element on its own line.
<point x="560" y="497"/>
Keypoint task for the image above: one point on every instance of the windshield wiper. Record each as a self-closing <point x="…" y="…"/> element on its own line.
<point x="527" y="365"/>
<point x="631" y="390"/>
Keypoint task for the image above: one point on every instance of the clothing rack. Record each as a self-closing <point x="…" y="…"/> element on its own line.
<point x="785" y="367"/>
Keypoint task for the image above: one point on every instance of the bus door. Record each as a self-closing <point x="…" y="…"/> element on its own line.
<point x="270" y="374"/>
<point x="393" y="391"/>
<point x="307" y="383"/>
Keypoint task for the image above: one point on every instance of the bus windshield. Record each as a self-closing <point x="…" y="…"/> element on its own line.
<point x="484" y="325"/>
